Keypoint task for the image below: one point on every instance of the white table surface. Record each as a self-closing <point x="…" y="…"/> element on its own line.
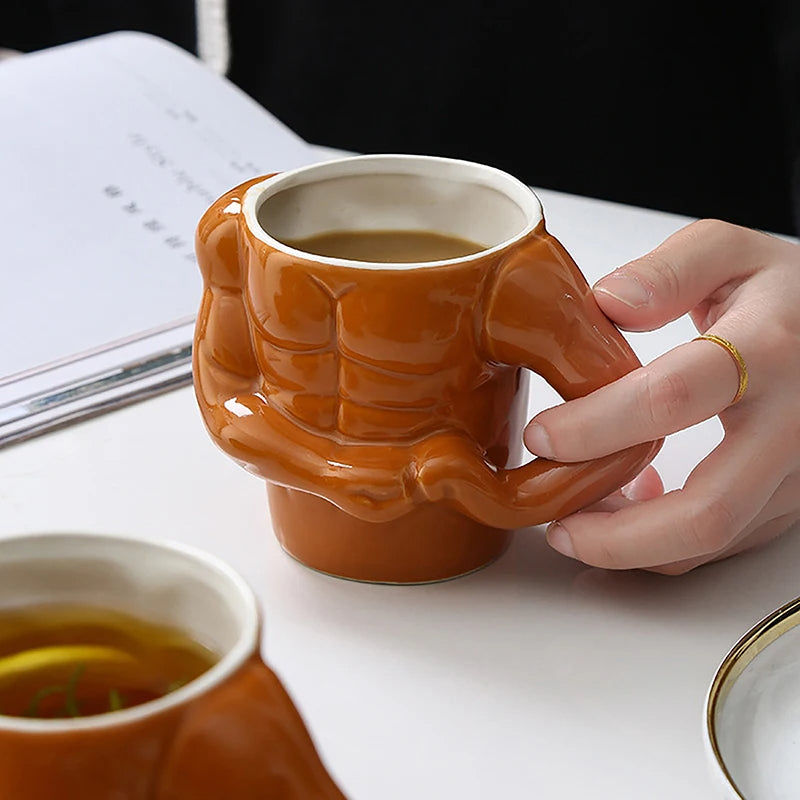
<point x="534" y="678"/>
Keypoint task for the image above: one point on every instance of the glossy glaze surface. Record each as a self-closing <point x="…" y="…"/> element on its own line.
<point x="232" y="731"/>
<point x="245" y="739"/>
<point x="386" y="390"/>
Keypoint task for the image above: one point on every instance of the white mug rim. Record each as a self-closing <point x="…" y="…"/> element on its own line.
<point x="259" y="192"/>
<point x="244" y="647"/>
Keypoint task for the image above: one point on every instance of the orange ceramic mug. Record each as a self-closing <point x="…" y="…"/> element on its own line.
<point x="233" y="732"/>
<point x="384" y="402"/>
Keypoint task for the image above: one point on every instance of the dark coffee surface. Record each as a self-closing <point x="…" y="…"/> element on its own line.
<point x="401" y="246"/>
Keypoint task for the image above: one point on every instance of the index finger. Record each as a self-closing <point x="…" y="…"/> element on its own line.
<point x="685" y="269"/>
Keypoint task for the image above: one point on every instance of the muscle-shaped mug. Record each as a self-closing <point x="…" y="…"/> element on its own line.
<point x="383" y="400"/>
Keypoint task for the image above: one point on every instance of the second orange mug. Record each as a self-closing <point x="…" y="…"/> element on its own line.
<point x="384" y="402"/>
<point x="232" y="732"/>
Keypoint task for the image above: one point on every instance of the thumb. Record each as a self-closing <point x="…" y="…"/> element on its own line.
<point x="671" y="280"/>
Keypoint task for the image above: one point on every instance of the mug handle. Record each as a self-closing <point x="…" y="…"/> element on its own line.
<point x="222" y="323"/>
<point x="244" y="740"/>
<point x="540" y="315"/>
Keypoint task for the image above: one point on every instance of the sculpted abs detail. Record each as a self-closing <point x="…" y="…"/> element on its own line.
<point x="360" y="360"/>
<point x="382" y="393"/>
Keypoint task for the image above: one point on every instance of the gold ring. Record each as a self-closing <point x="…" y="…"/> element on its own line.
<point x="736" y="356"/>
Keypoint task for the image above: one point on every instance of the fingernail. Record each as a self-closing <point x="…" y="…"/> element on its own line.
<point x="537" y="440"/>
<point x="625" y="288"/>
<point x="559" y="539"/>
<point x="632" y="490"/>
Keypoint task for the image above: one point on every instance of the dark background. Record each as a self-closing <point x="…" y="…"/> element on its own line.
<point x="689" y="107"/>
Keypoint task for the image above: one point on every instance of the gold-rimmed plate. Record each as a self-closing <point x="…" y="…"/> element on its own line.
<point x="752" y="713"/>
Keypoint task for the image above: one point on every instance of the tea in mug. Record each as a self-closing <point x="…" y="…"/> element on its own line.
<point x="71" y="661"/>
<point x="401" y="246"/>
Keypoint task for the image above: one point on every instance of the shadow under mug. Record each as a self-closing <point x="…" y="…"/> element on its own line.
<point x="384" y="402"/>
<point x="233" y="732"/>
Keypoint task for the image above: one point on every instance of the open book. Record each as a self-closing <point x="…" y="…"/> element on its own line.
<point x="111" y="149"/>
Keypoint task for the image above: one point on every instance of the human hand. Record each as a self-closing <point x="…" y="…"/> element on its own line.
<point x="736" y="283"/>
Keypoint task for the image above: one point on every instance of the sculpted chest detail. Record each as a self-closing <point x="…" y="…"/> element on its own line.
<point x="364" y="360"/>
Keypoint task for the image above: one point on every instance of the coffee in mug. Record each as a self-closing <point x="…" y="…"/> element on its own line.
<point x="386" y="246"/>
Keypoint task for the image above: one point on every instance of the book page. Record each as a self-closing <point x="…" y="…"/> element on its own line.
<point x="110" y="151"/>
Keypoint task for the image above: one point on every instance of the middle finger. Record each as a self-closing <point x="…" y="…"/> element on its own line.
<point x="685" y="386"/>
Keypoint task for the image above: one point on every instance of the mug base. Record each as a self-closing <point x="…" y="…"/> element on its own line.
<point x="430" y="544"/>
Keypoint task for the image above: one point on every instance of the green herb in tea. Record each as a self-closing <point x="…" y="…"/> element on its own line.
<point x="65" y="662"/>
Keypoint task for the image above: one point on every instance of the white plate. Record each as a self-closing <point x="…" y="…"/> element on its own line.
<point x="752" y="719"/>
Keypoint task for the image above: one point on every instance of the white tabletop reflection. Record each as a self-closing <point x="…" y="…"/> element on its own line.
<point x="533" y="678"/>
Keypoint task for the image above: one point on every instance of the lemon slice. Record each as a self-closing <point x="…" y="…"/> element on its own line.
<point x="59" y="656"/>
